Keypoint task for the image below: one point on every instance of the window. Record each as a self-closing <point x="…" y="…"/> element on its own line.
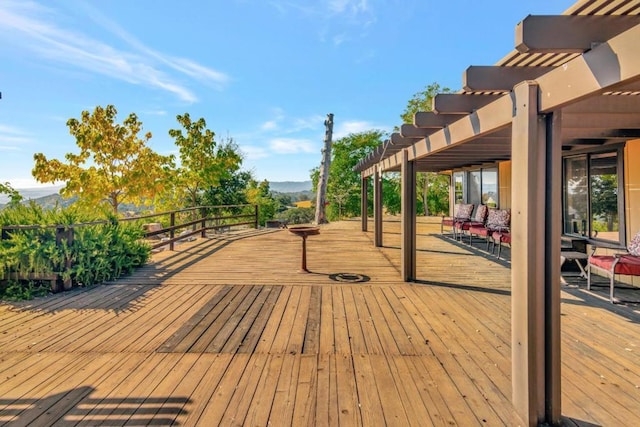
<point x="592" y="202"/>
<point x="477" y="186"/>
<point x="458" y="187"/>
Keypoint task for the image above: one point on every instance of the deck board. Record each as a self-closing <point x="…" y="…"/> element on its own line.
<point x="226" y="331"/>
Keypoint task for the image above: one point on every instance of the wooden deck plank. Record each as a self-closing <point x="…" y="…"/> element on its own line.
<point x="354" y="324"/>
<point x="260" y="408"/>
<point x="256" y="330"/>
<point x="311" y="343"/>
<point x="232" y="322"/>
<point x="182" y="340"/>
<point x="369" y="399"/>
<point x="303" y="349"/>
<point x="304" y="411"/>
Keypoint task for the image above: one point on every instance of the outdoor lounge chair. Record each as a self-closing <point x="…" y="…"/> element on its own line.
<point x="625" y="263"/>
<point x="461" y="212"/>
<point x="497" y="220"/>
<point x="479" y="219"/>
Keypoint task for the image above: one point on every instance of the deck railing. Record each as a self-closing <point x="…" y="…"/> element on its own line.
<point x="166" y="228"/>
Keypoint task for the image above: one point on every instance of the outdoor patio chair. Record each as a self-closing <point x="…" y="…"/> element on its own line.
<point x="501" y="237"/>
<point x="479" y="219"/>
<point x="461" y="212"/>
<point x="625" y="263"/>
<point x="497" y="220"/>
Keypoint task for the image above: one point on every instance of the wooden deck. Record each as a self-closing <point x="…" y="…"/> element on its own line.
<point x="226" y="331"/>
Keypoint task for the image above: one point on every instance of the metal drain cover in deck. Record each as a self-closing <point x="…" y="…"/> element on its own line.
<point x="349" y="277"/>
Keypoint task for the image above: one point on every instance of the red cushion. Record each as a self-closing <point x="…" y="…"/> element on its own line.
<point x="629" y="264"/>
<point x="468" y="224"/>
<point x="448" y="221"/>
<point x="503" y="237"/>
<point x="479" y="230"/>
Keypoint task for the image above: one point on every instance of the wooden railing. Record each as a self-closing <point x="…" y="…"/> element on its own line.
<point x="164" y="226"/>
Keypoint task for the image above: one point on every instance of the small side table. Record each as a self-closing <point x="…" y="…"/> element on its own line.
<point x="573" y="256"/>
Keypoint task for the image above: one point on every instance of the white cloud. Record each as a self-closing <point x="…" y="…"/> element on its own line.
<point x="38" y="33"/>
<point x="292" y="146"/>
<point x="251" y="152"/>
<point x="269" y="125"/>
<point x="11" y="137"/>
<point x="354" y="126"/>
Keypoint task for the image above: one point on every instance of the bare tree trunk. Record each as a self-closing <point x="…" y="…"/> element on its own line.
<point x="321" y="199"/>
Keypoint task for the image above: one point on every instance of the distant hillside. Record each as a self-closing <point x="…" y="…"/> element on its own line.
<point x="290" y="186"/>
<point x="33" y="193"/>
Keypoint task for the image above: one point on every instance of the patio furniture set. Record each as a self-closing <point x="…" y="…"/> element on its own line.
<point x="494" y="226"/>
<point x="491" y="224"/>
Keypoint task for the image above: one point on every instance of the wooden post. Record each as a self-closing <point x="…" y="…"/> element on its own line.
<point x="377" y="208"/>
<point x="364" y="202"/>
<point x="172" y="232"/>
<point x="203" y="213"/>
<point x="553" y="229"/>
<point x="321" y="197"/>
<point x="535" y="261"/>
<point x="256" y="212"/>
<point x="408" y="214"/>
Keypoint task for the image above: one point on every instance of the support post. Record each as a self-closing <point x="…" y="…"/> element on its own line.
<point x="364" y="202"/>
<point x="377" y="208"/>
<point x="408" y="213"/>
<point x="535" y="262"/>
<point x="553" y="376"/>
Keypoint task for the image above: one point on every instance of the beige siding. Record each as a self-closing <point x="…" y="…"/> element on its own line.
<point x="632" y="187"/>
<point x="504" y="182"/>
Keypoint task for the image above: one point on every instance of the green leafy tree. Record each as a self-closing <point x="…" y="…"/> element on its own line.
<point x="114" y="165"/>
<point x="14" y="196"/>
<point x="343" y="185"/>
<point x="231" y="190"/>
<point x="433" y="188"/>
<point x="604" y="199"/>
<point x="203" y="162"/>
<point x="259" y="193"/>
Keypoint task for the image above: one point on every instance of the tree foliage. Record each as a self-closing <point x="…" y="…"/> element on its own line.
<point x="203" y="162"/>
<point x="433" y="188"/>
<point x="14" y="196"/>
<point x="343" y="186"/>
<point x="114" y="164"/>
<point x="259" y="193"/>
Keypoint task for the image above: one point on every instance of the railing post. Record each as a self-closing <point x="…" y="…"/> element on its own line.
<point x="256" y="217"/>
<point x="63" y="233"/>
<point x="172" y="232"/>
<point x="203" y="212"/>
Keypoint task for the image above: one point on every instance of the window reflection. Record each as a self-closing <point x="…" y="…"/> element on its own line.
<point x="604" y="197"/>
<point x="591" y="196"/>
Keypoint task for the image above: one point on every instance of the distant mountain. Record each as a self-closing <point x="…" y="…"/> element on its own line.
<point x="290" y="186"/>
<point x="33" y="193"/>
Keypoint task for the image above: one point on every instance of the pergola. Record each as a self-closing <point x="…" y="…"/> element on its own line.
<point x="572" y="81"/>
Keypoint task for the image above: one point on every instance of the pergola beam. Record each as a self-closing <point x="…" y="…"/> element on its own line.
<point x="403" y="141"/>
<point x="455" y="103"/>
<point x="569" y="33"/>
<point x="412" y="131"/>
<point x="431" y="120"/>
<point x="498" y="79"/>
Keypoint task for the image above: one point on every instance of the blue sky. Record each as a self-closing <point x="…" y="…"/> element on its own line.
<point x="263" y="72"/>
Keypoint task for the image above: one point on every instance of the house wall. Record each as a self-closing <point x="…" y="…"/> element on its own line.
<point x="504" y="182"/>
<point x="632" y="187"/>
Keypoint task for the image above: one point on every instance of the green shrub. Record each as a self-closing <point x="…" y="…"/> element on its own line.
<point x="96" y="253"/>
<point x="298" y="215"/>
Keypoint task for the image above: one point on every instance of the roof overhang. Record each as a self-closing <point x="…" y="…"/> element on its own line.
<point x="594" y="85"/>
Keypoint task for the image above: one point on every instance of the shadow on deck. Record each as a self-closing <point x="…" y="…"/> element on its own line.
<point x="229" y="331"/>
